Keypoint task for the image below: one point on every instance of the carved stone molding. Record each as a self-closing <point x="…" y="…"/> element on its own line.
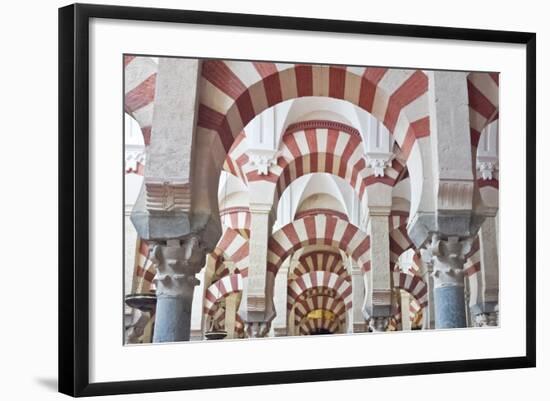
<point x="177" y="263"/>
<point x="316" y="124"/>
<point x="360" y="327"/>
<point x="167" y="195"/>
<point x="455" y="195"/>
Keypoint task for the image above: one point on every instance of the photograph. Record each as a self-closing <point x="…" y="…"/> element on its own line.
<point x="268" y="199"/>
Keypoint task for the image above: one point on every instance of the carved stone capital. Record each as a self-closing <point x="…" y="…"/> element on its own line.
<point x="379" y="162"/>
<point x="486" y="319"/>
<point x="177" y="263"/>
<point x="262" y="160"/>
<point x="257" y="329"/>
<point x="134" y="155"/>
<point x="448" y="257"/>
<point x="379" y="323"/>
<point x="486" y="169"/>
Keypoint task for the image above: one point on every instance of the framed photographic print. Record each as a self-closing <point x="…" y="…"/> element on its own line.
<point x="255" y="199"/>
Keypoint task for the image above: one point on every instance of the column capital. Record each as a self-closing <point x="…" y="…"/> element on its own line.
<point x="257" y="329"/>
<point x="177" y="263"/>
<point x="448" y="256"/>
<point x="486" y="319"/>
<point x="379" y="323"/>
<point x="262" y="160"/>
<point x="379" y="161"/>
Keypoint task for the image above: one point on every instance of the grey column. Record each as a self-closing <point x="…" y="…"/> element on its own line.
<point x="178" y="261"/>
<point x="448" y="256"/>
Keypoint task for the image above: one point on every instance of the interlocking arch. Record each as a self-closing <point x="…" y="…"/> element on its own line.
<point x="233" y="92"/>
<point x="322" y="230"/>
<point x="319" y="279"/>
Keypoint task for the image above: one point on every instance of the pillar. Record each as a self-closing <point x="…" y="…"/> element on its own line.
<point x="231" y="303"/>
<point x="359" y="325"/>
<point x="174" y="209"/>
<point x="447" y="223"/>
<point x="177" y="263"/>
<point x="258" y="316"/>
<point x="378" y="280"/>
<point x="280" y="298"/>
<point x="484" y="297"/>
<point x="427" y="276"/>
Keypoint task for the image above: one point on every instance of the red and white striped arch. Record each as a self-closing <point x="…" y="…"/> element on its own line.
<point x="233" y="247"/>
<point x="140" y="74"/>
<point x="234" y="92"/>
<point x="145" y="270"/>
<point x="483" y="98"/>
<point x="328" y="261"/>
<point x="225" y="286"/>
<point x="320" y="229"/>
<point x="473" y="259"/>
<point x="237" y="158"/>
<point x="219" y="318"/>
<point x="315" y="146"/>
<point x="325" y="300"/>
<point x="397" y="316"/>
<point x="399" y="238"/>
<point x="321" y="148"/>
<point x="317" y="279"/>
<point x="238" y="219"/>
<point x="310" y="326"/>
<point x="414" y="285"/>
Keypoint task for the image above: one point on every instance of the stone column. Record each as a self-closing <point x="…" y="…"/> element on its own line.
<point x="258" y="316"/>
<point x="231" y="302"/>
<point x="177" y="263"/>
<point x="378" y="285"/>
<point x="280" y="300"/>
<point x="484" y="298"/>
<point x="427" y="276"/>
<point x="173" y="209"/>
<point x="359" y="325"/>
<point x="448" y="256"/>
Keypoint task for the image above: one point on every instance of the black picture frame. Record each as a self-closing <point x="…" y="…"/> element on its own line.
<point x="74" y="198"/>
